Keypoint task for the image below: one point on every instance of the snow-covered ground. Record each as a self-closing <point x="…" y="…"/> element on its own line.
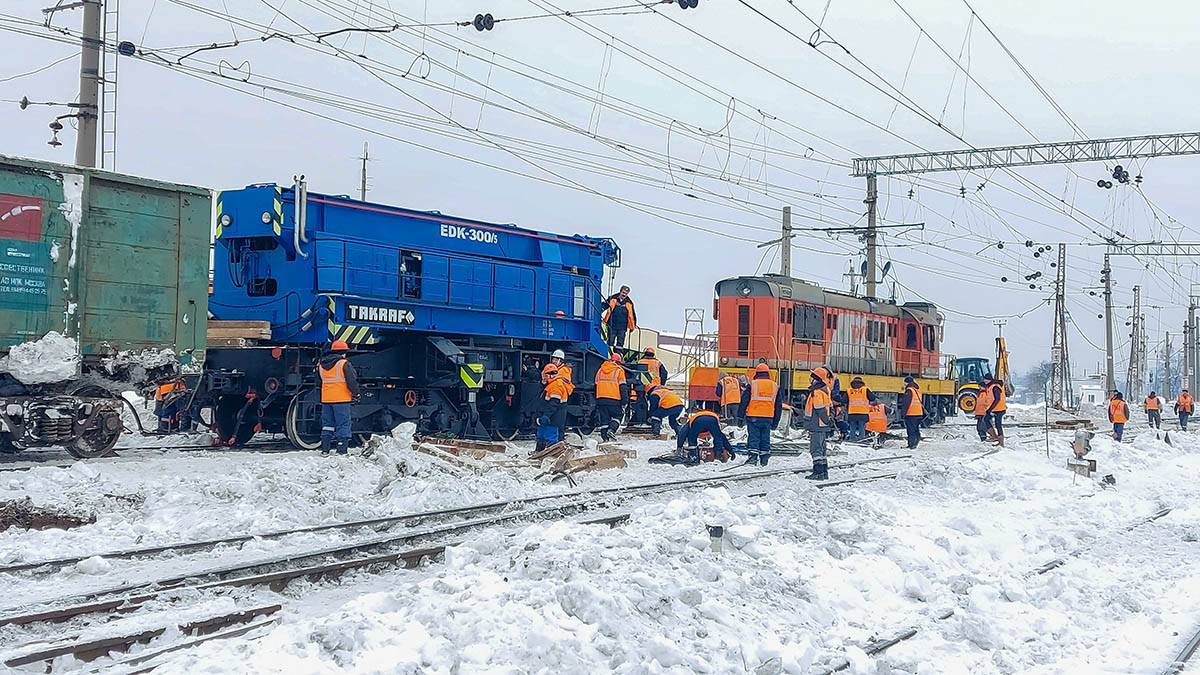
<point x="802" y="578"/>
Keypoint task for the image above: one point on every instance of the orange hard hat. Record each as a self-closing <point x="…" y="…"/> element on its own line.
<point x="649" y="350"/>
<point x="340" y="346"/>
<point x="615" y="357"/>
<point x="762" y="368"/>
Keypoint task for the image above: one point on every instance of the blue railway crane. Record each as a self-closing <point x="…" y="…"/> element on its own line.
<point x="448" y="319"/>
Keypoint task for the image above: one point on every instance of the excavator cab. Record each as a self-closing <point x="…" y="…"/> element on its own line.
<point x="969" y="373"/>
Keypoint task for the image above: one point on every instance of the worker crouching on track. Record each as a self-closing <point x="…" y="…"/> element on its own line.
<point x="858" y="400"/>
<point x="612" y="394"/>
<point x="729" y="394"/>
<point x="663" y="403"/>
<point x="818" y="411"/>
<point x="1118" y="414"/>
<point x="169" y="404"/>
<point x="1153" y="410"/>
<point x="339" y="388"/>
<point x="1183" y="407"/>
<point x="914" y="411"/>
<point x="699" y="424"/>
<point x="877" y="423"/>
<point x="761" y="407"/>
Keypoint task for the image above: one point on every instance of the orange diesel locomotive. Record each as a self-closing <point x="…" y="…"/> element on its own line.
<point x="796" y="326"/>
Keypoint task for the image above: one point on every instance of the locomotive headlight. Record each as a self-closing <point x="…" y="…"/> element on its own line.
<point x="225" y="220"/>
<point x="267" y="217"/>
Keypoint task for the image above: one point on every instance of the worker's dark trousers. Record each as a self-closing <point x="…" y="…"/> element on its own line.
<point x="729" y="412"/>
<point x="557" y="412"/>
<point x="758" y="440"/>
<point x="672" y="415"/>
<point x="1155" y="418"/>
<point x="616" y="338"/>
<point x="608" y="412"/>
<point x="1118" y="430"/>
<point x="701" y="425"/>
<point x="1183" y="419"/>
<point x="981" y="426"/>
<point x="912" y="424"/>
<point x="335" y="421"/>
<point x="858" y="426"/>
<point x="816" y="445"/>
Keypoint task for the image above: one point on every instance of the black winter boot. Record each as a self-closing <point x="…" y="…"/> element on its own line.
<point x="820" y="470"/>
<point x="343" y="447"/>
<point x="325" y="443"/>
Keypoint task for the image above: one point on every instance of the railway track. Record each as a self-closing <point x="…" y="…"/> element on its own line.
<point x="23" y="461"/>
<point x="407" y="549"/>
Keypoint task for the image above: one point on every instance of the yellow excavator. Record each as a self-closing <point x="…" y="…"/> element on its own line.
<point x="970" y="371"/>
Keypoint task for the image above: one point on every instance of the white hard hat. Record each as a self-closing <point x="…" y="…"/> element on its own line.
<point x="558" y="354"/>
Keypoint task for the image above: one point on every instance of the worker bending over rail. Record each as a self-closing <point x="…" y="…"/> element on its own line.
<point x="663" y="403"/>
<point x="698" y="425"/>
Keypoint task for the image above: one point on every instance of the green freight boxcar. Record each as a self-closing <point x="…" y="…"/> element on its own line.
<point x="116" y="262"/>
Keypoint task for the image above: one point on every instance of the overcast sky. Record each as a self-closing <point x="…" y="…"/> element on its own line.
<point x="680" y="134"/>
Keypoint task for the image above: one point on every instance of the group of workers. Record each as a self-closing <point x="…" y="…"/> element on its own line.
<point x="1118" y="411"/>
<point x="990" y="406"/>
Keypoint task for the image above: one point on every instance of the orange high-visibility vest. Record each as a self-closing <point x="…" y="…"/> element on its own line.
<point x="817" y="398"/>
<point x="1185" y="402"/>
<point x="762" y="398"/>
<point x="915" y="407"/>
<point x="666" y="397"/>
<point x="612" y="303"/>
<point x="858" y="403"/>
<point x="983" y="401"/>
<point x="558" y="389"/>
<point x="165" y="389"/>
<point x="878" y="418"/>
<point x="609" y="379"/>
<point x="1118" y="410"/>
<point x="731" y="390"/>
<point x="1151" y="403"/>
<point x="1000" y="398"/>
<point x="333" y="383"/>
<point x="653" y="369"/>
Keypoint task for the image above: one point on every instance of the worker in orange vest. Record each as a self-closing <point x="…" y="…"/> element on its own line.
<point x="729" y="396"/>
<point x="168" y="405"/>
<point x="877" y="423"/>
<point x="1153" y="407"/>
<point x="698" y="425"/>
<point x="339" y="388"/>
<point x="913" y="409"/>
<point x="556" y="363"/>
<point x="555" y="394"/>
<point x="1183" y="407"/>
<point x="663" y="403"/>
<point x="997" y="407"/>
<point x="858" y="399"/>
<point x="983" y="402"/>
<point x="1118" y="414"/>
<point x="761" y="407"/>
<point x="818" y="411"/>
<point x="654" y="368"/>
<point x="612" y="393"/>
<point x="619" y="318"/>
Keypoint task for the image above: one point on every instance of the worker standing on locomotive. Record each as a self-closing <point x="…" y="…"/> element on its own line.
<point x="1118" y="414"/>
<point x="654" y="368"/>
<point x="818" y="410"/>
<point x="703" y="423"/>
<point x="914" y="411"/>
<point x="612" y="393"/>
<point x="999" y="404"/>
<point x="858" y="400"/>
<point x="1153" y="406"/>
<point x="761" y="408"/>
<point x="619" y="317"/>
<point x="339" y="388"/>
<point x="729" y="395"/>
<point x="663" y="403"/>
<point x="1183" y="407"/>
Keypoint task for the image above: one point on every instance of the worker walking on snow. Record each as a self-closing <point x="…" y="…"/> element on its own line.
<point x="612" y="393"/>
<point x="1153" y="407"/>
<point x="619" y="317"/>
<point x="1118" y="414"/>
<point x="995" y="411"/>
<point x="914" y="411"/>
<point x="761" y="408"/>
<point x="858" y="401"/>
<point x="818" y="411"/>
<point x="1183" y="407"/>
<point x="983" y="402"/>
<point x="339" y="388"/>
<point x="663" y="403"/>
<point x="699" y="424"/>
<point x="729" y="394"/>
<point x="654" y="368"/>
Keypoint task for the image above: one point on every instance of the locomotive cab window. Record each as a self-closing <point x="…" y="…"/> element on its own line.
<point x="809" y="323"/>
<point x="910" y="336"/>
<point x="410" y="274"/>
<point x="577" y="300"/>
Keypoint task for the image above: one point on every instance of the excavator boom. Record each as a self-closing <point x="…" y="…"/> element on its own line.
<point x="1002" y="371"/>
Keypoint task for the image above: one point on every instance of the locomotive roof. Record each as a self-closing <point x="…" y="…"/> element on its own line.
<point x="775" y="285"/>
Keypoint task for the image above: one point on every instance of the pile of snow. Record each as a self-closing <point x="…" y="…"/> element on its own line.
<point x="132" y="366"/>
<point x="54" y="358"/>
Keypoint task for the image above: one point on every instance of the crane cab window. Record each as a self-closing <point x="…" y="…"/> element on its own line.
<point x="410" y="274"/>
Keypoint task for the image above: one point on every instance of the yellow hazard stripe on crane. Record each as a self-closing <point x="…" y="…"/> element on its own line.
<point x="471" y="374"/>
<point x="351" y="334"/>
<point x="277" y="221"/>
<point x="220" y="208"/>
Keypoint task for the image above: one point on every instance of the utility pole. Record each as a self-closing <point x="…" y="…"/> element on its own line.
<point x="1061" y="395"/>
<point x="1110" y="380"/>
<point x="1135" y="376"/>
<point x="999" y="324"/>
<point x="89" y="84"/>
<point x="871" y="200"/>
<point x="362" y="190"/>
<point x="785" y="254"/>
<point x="1166" y="383"/>
<point x="1189" y="370"/>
